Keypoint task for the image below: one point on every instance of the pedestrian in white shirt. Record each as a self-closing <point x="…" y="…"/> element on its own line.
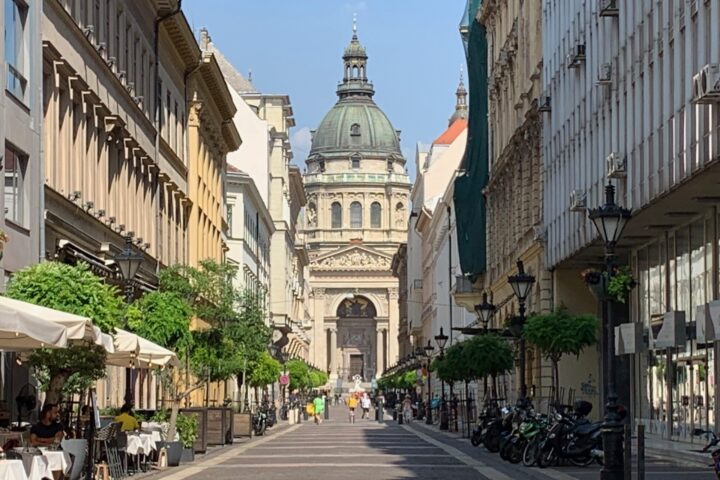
<point x="365" y="404"/>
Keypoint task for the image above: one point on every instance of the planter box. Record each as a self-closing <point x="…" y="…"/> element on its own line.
<point x="229" y="425"/>
<point x="188" y="456"/>
<point x="216" y="426"/>
<point x="242" y="425"/>
<point x="174" y="452"/>
<point x="201" y="442"/>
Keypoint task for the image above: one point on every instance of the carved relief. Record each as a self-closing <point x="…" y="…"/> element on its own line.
<point x="353" y="260"/>
<point x="311" y="215"/>
<point x="356" y="307"/>
<point x="400" y="215"/>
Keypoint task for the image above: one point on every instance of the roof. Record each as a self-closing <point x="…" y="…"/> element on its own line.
<point x="233" y="77"/>
<point x="452" y="132"/>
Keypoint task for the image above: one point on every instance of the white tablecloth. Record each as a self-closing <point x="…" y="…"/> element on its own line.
<point x="140" y="443"/>
<point x="12" y="470"/>
<point x="58" y="460"/>
<point x="37" y="467"/>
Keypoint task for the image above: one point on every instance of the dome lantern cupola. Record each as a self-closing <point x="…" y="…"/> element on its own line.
<point x="355" y="82"/>
<point x="461" y="109"/>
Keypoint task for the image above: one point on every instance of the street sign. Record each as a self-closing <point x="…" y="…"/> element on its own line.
<point x="284" y="379"/>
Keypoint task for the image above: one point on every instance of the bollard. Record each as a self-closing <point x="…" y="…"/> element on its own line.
<point x="641" y="452"/>
<point x="400" y="417"/>
<point x="628" y="452"/>
<point x="327" y="409"/>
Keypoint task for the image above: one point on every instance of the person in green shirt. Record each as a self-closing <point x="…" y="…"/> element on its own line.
<point x="319" y="404"/>
<point x="126" y="418"/>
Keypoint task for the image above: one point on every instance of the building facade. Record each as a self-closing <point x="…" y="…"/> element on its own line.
<point x="514" y="191"/>
<point x="355" y="219"/>
<point x="631" y="104"/>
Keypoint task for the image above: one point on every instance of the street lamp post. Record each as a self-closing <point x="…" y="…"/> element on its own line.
<point x="427" y="355"/>
<point x="485" y="312"/>
<point x="441" y="341"/>
<point x="610" y="220"/>
<point x="128" y="261"/>
<point x="521" y="284"/>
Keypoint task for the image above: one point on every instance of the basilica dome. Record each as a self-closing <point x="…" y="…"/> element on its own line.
<point x="355" y="124"/>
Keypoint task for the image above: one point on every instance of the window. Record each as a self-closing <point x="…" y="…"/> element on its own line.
<point x="355" y="130"/>
<point x="336" y="214"/>
<point x="375" y="215"/>
<point x="15" y="22"/>
<point x="230" y="220"/>
<point x="356" y="217"/>
<point x="16" y="201"/>
<point x="355" y="161"/>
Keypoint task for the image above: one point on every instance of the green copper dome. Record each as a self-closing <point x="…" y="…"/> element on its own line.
<point x="355" y="127"/>
<point x="355" y="124"/>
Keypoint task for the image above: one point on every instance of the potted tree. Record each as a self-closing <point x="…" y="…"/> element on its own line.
<point x="187" y="428"/>
<point x="560" y="333"/>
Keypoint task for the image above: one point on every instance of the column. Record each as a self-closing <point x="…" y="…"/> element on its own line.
<point x="393" y="324"/>
<point x="333" y="350"/>
<point x="380" y="360"/>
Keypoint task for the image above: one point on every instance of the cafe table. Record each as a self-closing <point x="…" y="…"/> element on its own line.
<point x="12" y="470"/>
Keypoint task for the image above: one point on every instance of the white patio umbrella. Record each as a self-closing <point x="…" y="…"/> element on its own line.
<point x="24" y="326"/>
<point x="76" y="326"/>
<point x="133" y="350"/>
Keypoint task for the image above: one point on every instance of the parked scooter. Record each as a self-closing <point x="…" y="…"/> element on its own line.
<point x="259" y="423"/>
<point x="572" y="437"/>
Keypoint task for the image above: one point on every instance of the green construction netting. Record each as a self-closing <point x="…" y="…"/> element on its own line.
<point x="468" y="197"/>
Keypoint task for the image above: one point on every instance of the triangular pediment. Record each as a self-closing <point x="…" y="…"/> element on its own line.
<point x="354" y="258"/>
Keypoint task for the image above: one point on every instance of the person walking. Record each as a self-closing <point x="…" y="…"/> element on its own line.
<point x="319" y="408"/>
<point x="352" y="405"/>
<point x="380" y="406"/>
<point x="407" y="409"/>
<point x="365" y="404"/>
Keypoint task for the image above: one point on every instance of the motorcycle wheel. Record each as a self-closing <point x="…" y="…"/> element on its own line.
<point x="517" y="449"/>
<point x="475" y="440"/>
<point x="505" y="446"/>
<point x="547" y="458"/>
<point x="531" y="452"/>
<point x="582" y="461"/>
<point x="492" y="441"/>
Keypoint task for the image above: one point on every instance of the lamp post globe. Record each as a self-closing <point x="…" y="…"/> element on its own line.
<point x="441" y="340"/>
<point x="610" y="219"/>
<point x="485" y="311"/>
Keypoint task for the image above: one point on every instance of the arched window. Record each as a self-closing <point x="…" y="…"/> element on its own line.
<point x="375" y="215"/>
<point x="356" y="216"/>
<point x="355" y="130"/>
<point x="336" y="214"/>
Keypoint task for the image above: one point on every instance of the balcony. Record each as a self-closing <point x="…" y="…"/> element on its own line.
<point x="321" y="178"/>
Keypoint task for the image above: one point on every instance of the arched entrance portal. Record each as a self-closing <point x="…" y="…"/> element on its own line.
<point x="360" y="348"/>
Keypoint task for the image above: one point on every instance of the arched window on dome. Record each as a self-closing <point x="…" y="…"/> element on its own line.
<point x="355" y="71"/>
<point x="336" y="215"/>
<point x="375" y="215"/>
<point x="355" y="130"/>
<point x="356" y="216"/>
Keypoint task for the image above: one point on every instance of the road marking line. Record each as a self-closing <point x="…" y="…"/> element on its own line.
<point x="349" y="455"/>
<point x="233" y="452"/>
<point x="301" y="447"/>
<point x="557" y="475"/>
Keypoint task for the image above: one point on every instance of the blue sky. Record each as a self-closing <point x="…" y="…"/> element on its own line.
<point x="295" y="47"/>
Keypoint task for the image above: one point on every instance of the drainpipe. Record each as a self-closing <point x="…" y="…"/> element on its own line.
<point x="156" y="120"/>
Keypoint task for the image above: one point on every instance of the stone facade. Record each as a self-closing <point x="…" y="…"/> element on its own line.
<point x="514" y="191"/>
<point x="355" y="219"/>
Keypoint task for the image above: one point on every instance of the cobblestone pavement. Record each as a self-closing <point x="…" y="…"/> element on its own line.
<point x="337" y="450"/>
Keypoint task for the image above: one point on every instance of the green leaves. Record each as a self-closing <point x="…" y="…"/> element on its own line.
<point x="560" y="333"/>
<point x="479" y="357"/>
<point x="163" y="318"/>
<point x="621" y="282"/>
<point x="263" y="371"/>
<point x="303" y="377"/>
<point x="71" y="289"/>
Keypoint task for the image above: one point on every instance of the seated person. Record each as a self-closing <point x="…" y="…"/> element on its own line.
<point x="129" y="422"/>
<point x="48" y="429"/>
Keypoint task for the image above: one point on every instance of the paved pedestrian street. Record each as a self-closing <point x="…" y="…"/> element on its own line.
<point x="337" y="450"/>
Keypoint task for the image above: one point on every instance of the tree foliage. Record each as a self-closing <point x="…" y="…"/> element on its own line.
<point x="76" y="290"/>
<point x="303" y="377"/>
<point x="561" y="333"/>
<point x="480" y="357"/>
<point x="162" y="318"/>
<point x="263" y="371"/>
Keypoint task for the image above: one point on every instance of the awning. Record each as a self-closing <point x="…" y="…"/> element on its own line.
<point x="133" y="350"/>
<point x="76" y="326"/>
<point x="24" y="327"/>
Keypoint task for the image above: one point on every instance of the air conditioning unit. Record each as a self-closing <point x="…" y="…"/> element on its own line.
<point x="544" y="103"/>
<point x="605" y="74"/>
<point x="608" y="8"/>
<point x="577" y="57"/>
<point x="706" y="84"/>
<point x="578" y="201"/>
<point x="616" y="166"/>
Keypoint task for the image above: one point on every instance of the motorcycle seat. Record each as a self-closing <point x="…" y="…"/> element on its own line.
<point x="588" y="428"/>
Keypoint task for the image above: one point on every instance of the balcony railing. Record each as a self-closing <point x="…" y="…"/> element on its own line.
<point x="356" y="178"/>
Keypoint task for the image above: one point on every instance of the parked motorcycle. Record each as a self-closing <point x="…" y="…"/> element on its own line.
<point x="571" y="437"/>
<point x="259" y="423"/>
<point x="714" y="440"/>
<point x="489" y="413"/>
